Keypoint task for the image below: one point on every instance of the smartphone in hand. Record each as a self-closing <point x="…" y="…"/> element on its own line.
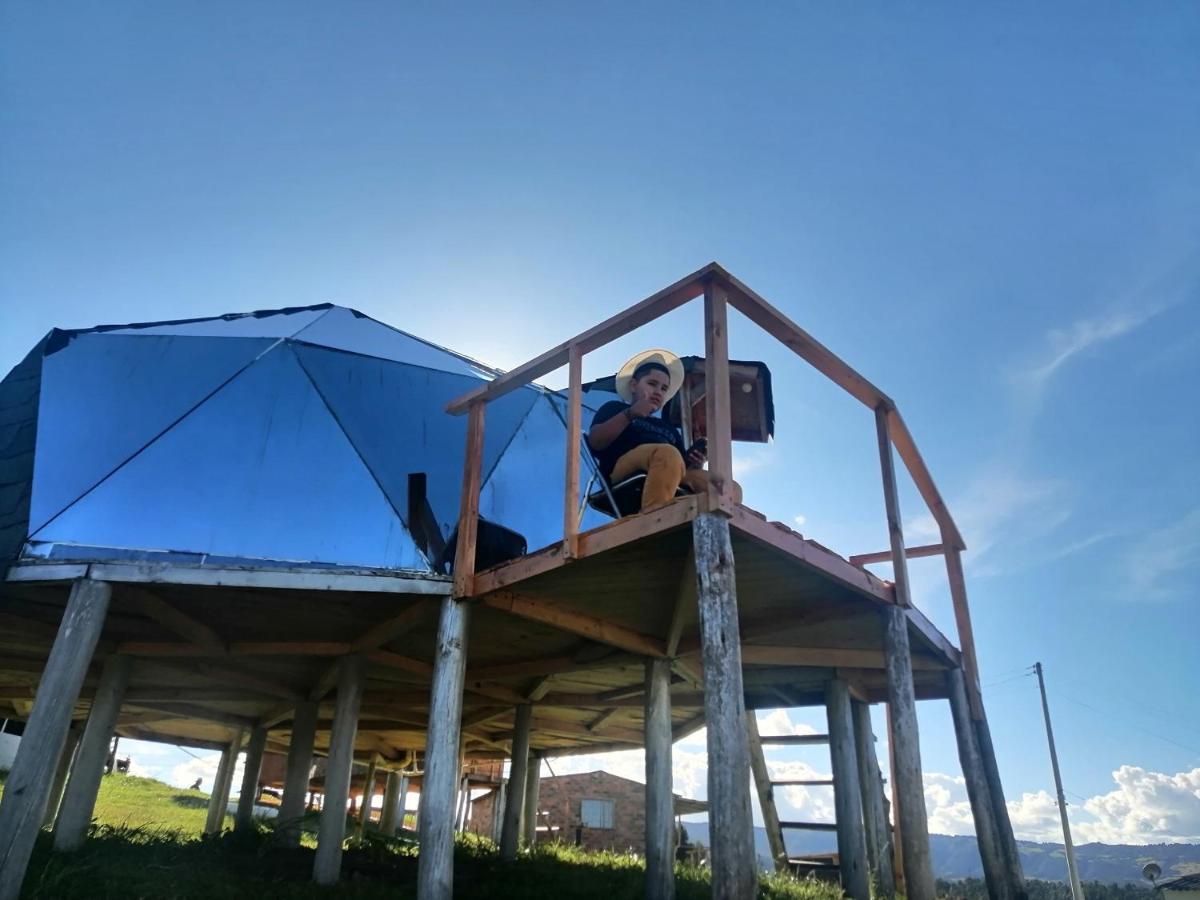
<point x="701" y="447"/>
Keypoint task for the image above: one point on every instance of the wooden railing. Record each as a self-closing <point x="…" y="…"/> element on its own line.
<point x="720" y="290"/>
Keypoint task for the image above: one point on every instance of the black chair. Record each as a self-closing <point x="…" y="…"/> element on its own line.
<point x="617" y="500"/>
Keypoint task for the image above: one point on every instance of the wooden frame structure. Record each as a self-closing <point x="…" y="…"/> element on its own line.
<point x="631" y="634"/>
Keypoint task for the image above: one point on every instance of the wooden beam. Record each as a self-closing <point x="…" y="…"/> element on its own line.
<point x="853" y="865"/>
<point x="654" y="306"/>
<point x="194" y="711"/>
<point x="468" y="514"/>
<point x="659" y="802"/>
<point x="685" y="602"/>
<point x="548" y="665"/>
<point x="403" y="663"/>
<point x="226" y="673"/>
<point x="187" y="627"/>
<point x="966" y="634"/>
<point x="907" y="448"/>
<point x="396" y="626"/>
<point x="800" y="342"/>
<point x="716" y="398"/>
<point x="831" y="657"/>
<point x="891" y="502"/>
<point x="865" y="559"/>
<point x="237" y="648"/>
<point x="766" y="794"/>
<point x="576" y="623"/>
<point x="574" y="429"/>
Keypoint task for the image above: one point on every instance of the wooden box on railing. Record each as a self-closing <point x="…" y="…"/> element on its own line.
<point x="751" y="404"/>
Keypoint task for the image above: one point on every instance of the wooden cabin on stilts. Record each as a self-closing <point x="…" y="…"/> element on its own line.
<point x="613" y="635"/>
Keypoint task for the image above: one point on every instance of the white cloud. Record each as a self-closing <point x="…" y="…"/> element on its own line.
<point x="799" y="520"/>
<point x="1064" y="343"/>
<point x="1146" y="808"/>
<point x="1156" y="565"/>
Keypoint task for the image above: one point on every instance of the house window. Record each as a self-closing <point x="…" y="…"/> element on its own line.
<point x="596" y="813"/>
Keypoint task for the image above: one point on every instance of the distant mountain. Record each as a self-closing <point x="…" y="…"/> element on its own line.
<point x="957" y="857"/>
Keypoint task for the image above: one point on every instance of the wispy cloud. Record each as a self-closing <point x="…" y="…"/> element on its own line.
<point x="1063" y="344"/>
<point x="1156" y="565"/>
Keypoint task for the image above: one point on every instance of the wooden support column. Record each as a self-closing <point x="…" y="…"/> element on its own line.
<point x="966" y="634"/>
<point x="244" y="818"/>
<point x="435" y="866"/>
<point x="533" y="783"/>
<point x="574" y="428"/>
<point x="218" y="800"/>
<point x="368" y="796"/>
<point x="660" y="802"/>
<point x="847" y="795"/>
<point x="734" y="866"/>
<point x="897" y="856"/>
<point x="991" y="853"/>
<point x="327" y="865"/>
<point x="299" y="767"/>
<point x="499" y="800"/>
<point x="906" y="747"/>
<point x="391" y="799"/>
<point x="510" y="831"/>
<point x="27" y="788"/>
<point x="870" y="782"/>
<point x="79" y="800"/>
<point x="716" y="398"/>
<point x="1012" y="857"/>
<point x="766" y="794"/>
<point x="65" y="761"/>
<point x="402" y="803"/>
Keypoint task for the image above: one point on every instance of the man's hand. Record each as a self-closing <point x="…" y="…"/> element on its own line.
<point x="696" y="459"/>
<point x="643" y="408"/>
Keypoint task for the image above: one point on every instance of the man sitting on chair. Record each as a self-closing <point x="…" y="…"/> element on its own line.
<point x="629" y="437"/>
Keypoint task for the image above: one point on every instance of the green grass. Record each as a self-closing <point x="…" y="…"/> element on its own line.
<point x="147" y="842"/>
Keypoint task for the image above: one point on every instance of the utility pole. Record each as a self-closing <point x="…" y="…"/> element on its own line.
<point x="1072" y="867"/>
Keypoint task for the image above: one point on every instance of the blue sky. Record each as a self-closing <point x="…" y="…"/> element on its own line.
<point x="993" y="214"/>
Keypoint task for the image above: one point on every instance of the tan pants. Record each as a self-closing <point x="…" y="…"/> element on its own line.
<point x="665" y="471"/>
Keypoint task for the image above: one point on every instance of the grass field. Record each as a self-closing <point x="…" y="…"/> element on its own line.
<point x="147" y="843"/>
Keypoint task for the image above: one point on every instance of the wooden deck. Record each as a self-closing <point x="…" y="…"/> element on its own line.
<point x="221" y="649"/>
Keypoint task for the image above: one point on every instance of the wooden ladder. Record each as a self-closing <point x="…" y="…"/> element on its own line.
<point x="775" y="827"/>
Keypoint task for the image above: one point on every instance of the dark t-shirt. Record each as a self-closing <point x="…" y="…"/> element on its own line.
<point x="639" y="431"/>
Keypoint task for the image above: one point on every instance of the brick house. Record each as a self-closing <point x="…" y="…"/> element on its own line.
<point x="597" y="810"/>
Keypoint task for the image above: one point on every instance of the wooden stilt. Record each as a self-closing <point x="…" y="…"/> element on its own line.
<point x="510" y="831"/>
<point x="391" y="799"/>
<point x="218" y="801"/>
<point x="464" y="804"/>
<point x="870" y="782"/>
<point x="766" y="794"/>
<point x="1012" y="856"/>
<point x="533" y="783"/>
<point x="435" y="866"/>
<point x="498" y="803"/>
<point x="910" y="789"/>
<point x="402" y="804"/>
<point x="734" y="866"/>
<point x="65" y="760"/>
<point x="847" y="796"/>
<point x="28" y="785"/>
<point x="368" y="798"/>
<point x="244" y="818"/>
<point x="991" y="852"/>
<point x="299" y="767"/>
<point x="79" y="800"/>
<point x="660" y="807"/>
<point x="327" y="865"/>
<point x="897" y="856"/>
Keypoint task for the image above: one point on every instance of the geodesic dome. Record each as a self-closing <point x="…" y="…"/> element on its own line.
<point x="285" y="436"/>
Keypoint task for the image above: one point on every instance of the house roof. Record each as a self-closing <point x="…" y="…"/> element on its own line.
<point x="1185" y="883"/>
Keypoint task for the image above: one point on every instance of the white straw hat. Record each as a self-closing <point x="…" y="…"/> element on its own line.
<point x="664" y="358"/>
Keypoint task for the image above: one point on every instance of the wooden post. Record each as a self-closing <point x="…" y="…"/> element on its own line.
<point x="510" y="831"/>
<point x="574" y="429"/>
<point x="891" y="499"/>
<point x="299" y="767"/>
<point x="391" y="800"/>
<point x="897" y="856"/>
<point x="910" y="789"/>
<point x="716" y="399"/>
<point x="766" y="794"/>
<point x="468" y="510"/>
<point x="327" y="864"/>
<point x="991" y="853"/>
<point x="734" y="866"/>
<point x="218" y="800"/>
<point x="533" y="783"/>
<point x="368" y="797"/>
<point x="243" y="820"/>
<point x="23" y="803"/>
<point x="402" y="803"/>
<point x="79" y="801"/>
<point x="660" y="802"/>
<point x="966" y="634"/>
<point x="847" y="795"/>
<point x="435" y="866"/>
<point x="65" y="760"/>
<point x="464" y="804"/>
<point x="870" y="782"/>
<point x="1012" y="856"/>
<point x="499" y="801"/>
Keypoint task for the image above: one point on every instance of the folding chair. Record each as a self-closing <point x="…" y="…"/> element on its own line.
<point x="616" y="500"/>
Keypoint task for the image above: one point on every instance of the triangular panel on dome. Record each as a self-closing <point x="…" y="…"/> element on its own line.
<point x="259" y="471"/>
<point x="104" y="396"/>
<point x="525" y="490"/>
<point x="394" y="415"/>
<point x="346" y="329"/>
<point x="267" y="323"/>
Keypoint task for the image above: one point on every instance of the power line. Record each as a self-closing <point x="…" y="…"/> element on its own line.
<point x="1134" y="727"/>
